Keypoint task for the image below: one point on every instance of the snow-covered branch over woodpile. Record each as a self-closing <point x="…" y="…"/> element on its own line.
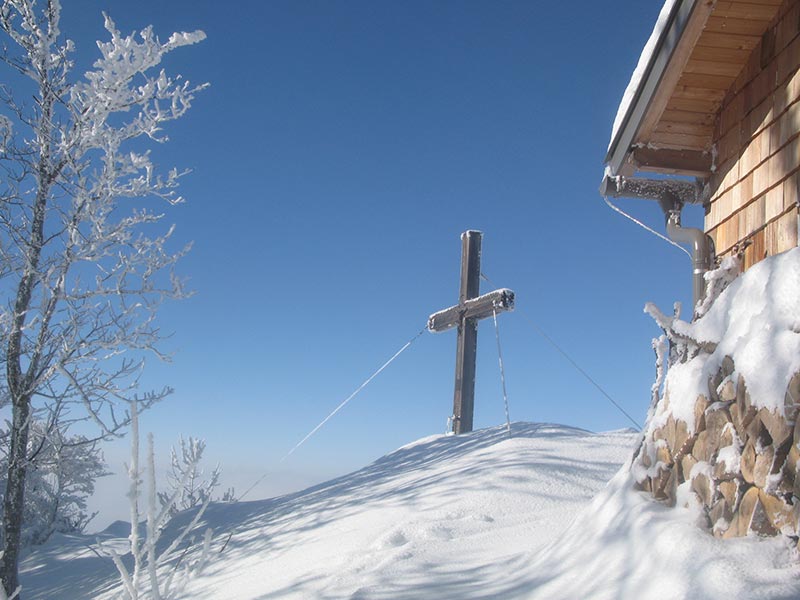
<point x="724" y="434"/>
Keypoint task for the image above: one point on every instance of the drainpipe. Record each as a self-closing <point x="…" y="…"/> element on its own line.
<point x="702" y="252"/>
<point x="671" y="195"/>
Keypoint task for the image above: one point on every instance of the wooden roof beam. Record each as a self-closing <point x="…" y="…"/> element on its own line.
<point x="683" y="162"/>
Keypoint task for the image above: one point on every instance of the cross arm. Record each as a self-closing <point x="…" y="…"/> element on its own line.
<point x="477" y="308"/>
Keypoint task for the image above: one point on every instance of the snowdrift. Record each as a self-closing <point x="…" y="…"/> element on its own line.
<point x="482" y="515"/>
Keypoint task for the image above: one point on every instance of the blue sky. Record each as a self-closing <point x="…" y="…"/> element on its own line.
<point x="340" y="151"/>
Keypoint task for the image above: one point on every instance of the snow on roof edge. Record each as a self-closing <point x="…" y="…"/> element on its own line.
<point x="642" y="67"/>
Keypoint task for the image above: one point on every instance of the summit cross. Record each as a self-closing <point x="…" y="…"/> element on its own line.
<point x="465" y="315"/>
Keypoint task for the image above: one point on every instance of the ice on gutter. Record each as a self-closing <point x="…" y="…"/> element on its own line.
<point x="642" y="67"/>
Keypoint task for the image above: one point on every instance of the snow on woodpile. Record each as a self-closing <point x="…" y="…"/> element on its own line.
<point x="725" y="432"/>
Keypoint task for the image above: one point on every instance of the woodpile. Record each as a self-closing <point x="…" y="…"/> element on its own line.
<point x="740" y="462"/>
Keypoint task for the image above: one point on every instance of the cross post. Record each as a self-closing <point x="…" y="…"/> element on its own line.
<point x="465" y="315"/>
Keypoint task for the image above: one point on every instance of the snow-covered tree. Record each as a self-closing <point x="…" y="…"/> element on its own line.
<point x="81" y="272"/>
<point x="186" y="485"/>
<point x="62" y="469"/>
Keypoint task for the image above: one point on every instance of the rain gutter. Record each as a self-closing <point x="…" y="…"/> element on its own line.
<point x="671" y="195"/>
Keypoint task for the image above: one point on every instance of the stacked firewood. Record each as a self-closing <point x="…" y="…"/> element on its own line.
<point x="739" y="462"/>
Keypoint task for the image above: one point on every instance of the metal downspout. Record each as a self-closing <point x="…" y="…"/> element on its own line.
<point x="702" y="253"/>
<point x="671" y="196"/>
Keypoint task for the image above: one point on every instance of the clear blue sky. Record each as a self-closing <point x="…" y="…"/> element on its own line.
<point x="341" y="149"/>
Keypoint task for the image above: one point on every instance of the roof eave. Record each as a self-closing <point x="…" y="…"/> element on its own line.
<point x="618" y="157"/>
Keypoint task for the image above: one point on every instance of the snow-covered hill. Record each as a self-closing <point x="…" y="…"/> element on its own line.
<point x="482" y="515"/>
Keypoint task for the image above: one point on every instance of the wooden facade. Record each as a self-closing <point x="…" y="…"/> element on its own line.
<point x="754" y="188"/>
<point x="725" y="107"/>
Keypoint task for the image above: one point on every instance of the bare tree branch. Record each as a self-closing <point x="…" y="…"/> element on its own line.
<point x="83" y="270"/>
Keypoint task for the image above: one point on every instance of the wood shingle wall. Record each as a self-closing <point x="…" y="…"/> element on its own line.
<point x="755" y="188"/>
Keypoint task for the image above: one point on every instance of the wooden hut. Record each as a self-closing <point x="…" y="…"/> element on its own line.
<point x="716" y="96"/>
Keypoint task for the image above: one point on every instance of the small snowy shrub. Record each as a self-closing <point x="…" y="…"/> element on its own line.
<point x="153" y="572"/>
<point x="228" y="496"/>
<point x="187" y="486"/>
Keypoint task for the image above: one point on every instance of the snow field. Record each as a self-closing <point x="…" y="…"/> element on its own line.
<point x="480" y="515"/>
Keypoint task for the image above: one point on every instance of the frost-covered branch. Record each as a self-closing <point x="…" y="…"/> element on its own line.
<point x="660" y="347"/>
<point x="187" y="486"/>
<point x="60" y="478"/>
<point x="682" y="346"/>
<point x="144" y="552"/>
<point x="84" y="269"/>
<point x="717" y="280"/>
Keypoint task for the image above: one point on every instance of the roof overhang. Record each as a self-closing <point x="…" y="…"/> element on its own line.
<point x="666" y="125"/>
<point x="650" y="89"/>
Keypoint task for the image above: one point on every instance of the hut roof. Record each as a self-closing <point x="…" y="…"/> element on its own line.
<point x="697" y="50"/>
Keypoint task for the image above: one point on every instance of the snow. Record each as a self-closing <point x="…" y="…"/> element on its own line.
<point x="481" y="515"/>
<point x="626" y="546"/>
<point x="684" y="382"/>
<point x="730" y="457"/>
<point x="641" y="68"/>
<point x="754" y="321"/>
